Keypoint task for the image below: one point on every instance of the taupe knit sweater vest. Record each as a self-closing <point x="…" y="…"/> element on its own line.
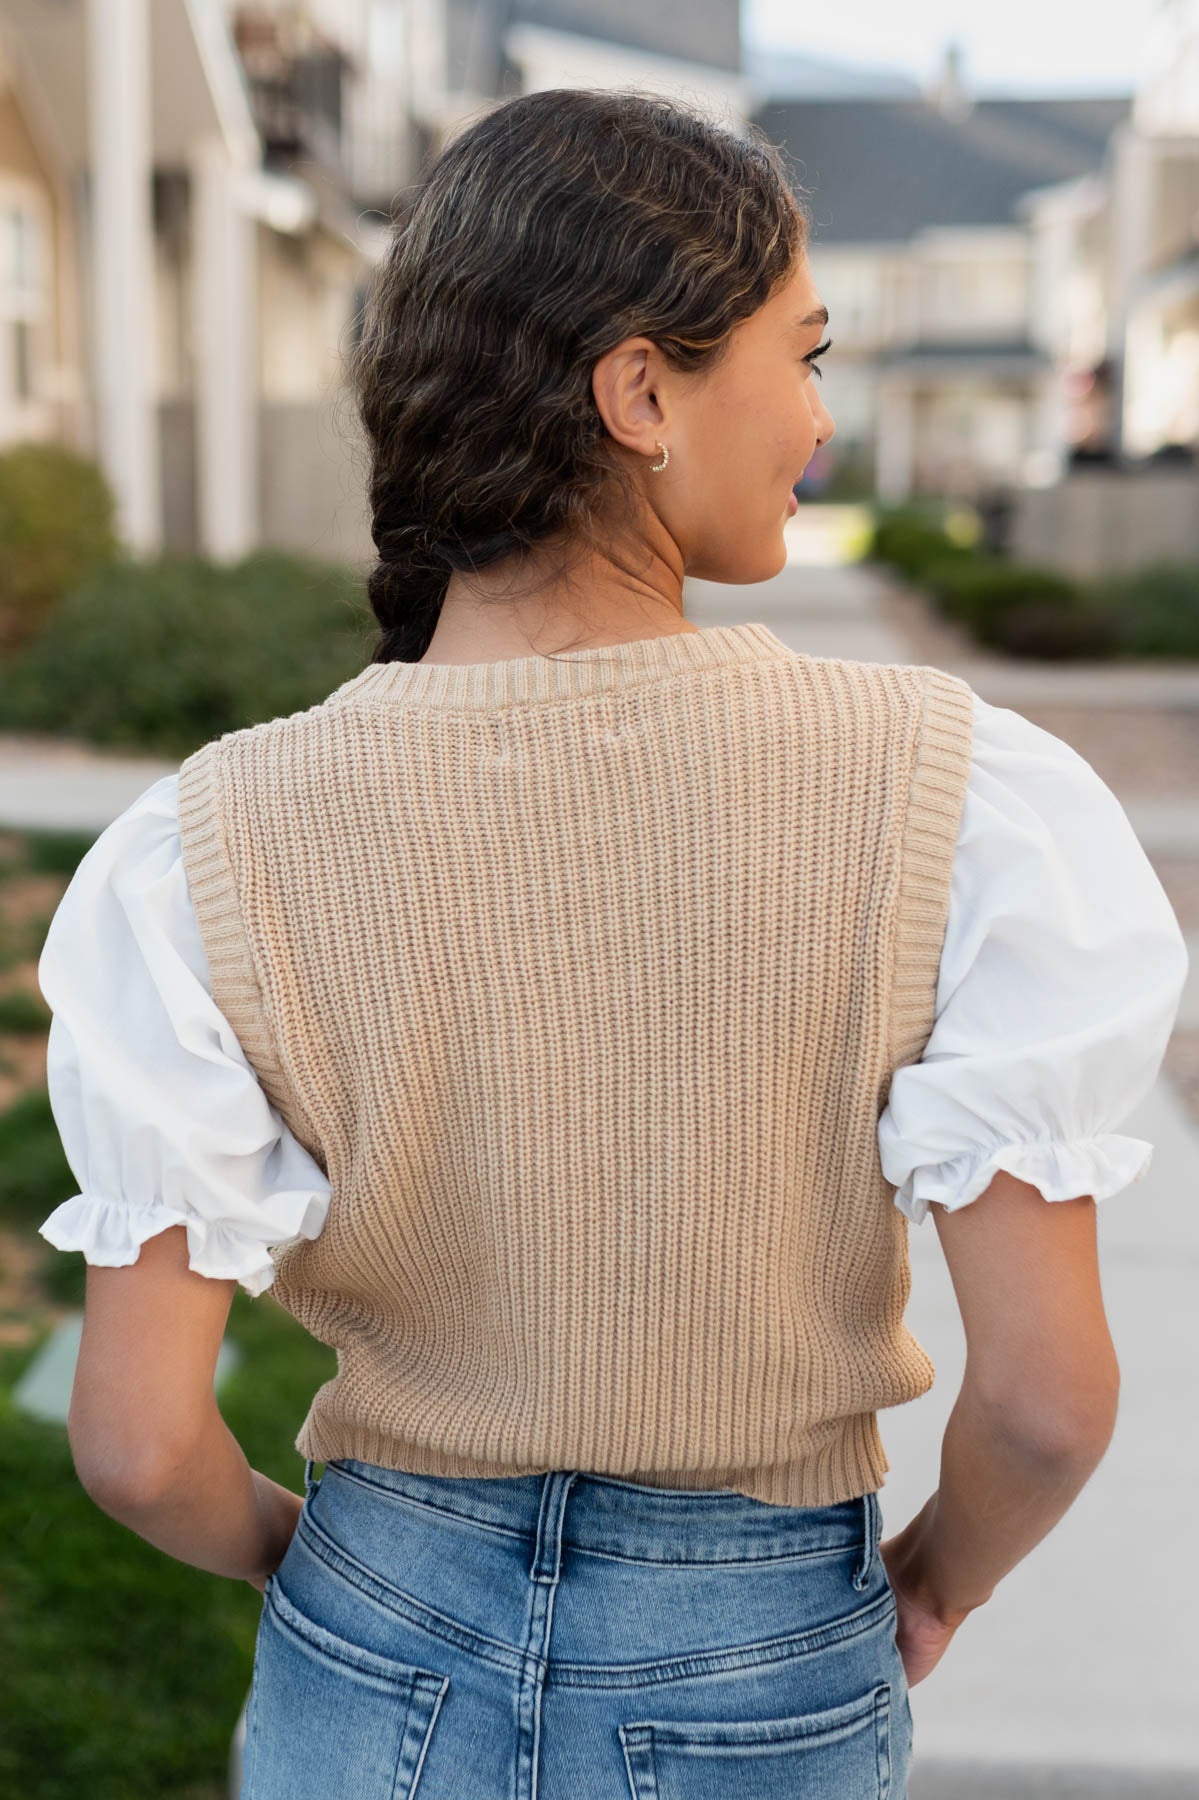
<point x="584" y="979"/>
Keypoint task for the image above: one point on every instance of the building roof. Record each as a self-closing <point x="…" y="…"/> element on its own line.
<point x="698" y="31"/>
<point x="880" y="170"/>
<point x="691" y="31"/>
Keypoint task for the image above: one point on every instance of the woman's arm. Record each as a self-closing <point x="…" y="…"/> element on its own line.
<point x="148" y="1441"/>
<point x="1039" y="1397"/>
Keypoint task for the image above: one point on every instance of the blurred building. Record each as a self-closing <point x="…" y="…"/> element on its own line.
<point x="942" y="381"/>
<point x="180" y="259"/>
<point x="1152" y="203"/>
<point x="1116" y="262"/>
<point x="193" y="194"/>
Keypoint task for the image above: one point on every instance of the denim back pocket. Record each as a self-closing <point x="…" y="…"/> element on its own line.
<point x="840" y="1753"/>
<point x="332" y="1718"/>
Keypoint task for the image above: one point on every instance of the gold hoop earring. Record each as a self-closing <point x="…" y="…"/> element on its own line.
<point x="655" y="468"/>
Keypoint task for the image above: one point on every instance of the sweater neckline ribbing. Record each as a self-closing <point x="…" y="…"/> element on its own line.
<point x="564" y="673"/>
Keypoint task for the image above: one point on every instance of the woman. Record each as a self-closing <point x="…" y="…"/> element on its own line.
<point x="548" y="1017"/>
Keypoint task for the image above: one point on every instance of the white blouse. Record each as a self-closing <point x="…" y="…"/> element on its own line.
<point x="1060" y="980"/>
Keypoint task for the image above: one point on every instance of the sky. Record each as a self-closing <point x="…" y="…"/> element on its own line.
<point x="1029" y="46"/>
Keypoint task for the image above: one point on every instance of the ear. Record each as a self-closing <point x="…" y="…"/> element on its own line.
<point x="144" y="1377"/>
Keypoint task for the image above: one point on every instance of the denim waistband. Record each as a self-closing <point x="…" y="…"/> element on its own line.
<point x="604" y="1513"/>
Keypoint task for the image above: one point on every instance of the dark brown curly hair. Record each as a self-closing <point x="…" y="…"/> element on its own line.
<point x="546" y="232"/>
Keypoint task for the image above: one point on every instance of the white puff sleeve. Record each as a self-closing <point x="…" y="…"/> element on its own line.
<point x="161" y="1117"/>
<point x="1061" y="978"/>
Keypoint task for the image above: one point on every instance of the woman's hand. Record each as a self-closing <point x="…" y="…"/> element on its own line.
<point x="921" y="1637"/>
<point x="281" y="1509"/>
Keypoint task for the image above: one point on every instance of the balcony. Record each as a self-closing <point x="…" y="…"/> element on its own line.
<point x="295" y="76"/>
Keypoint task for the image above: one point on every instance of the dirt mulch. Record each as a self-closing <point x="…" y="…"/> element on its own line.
<point x="26" y="902"/>
<point x="25" y="1312"/>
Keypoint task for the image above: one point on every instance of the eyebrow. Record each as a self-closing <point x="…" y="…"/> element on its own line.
<point x="819" y="317"/>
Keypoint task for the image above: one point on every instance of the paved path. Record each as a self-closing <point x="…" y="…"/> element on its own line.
<point x="67" y="787"/>
<point x="1078" y="1678"/>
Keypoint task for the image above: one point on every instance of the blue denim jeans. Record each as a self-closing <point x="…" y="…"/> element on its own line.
<point x="571" y="1636"/>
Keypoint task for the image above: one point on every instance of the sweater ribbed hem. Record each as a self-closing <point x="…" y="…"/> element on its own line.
<point x="843" y="1463"/>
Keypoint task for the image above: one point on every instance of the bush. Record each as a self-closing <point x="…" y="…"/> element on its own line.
<point x="56" y="528"/>
<point x="1022" y="609"/>
<point x="977" y="588"/>
<point x="911" y="538"/>
<point x="1052" y="629"/>
<point x="1154" y="609"/>
<point x="852" y="477"/>
<point x="163" y="655"/>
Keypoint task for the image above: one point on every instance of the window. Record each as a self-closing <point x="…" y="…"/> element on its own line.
<point x="849" y="286"/>
<point x="22" y="362"/>
<point x="24" y="300"/>
<point x="979" y="295"/>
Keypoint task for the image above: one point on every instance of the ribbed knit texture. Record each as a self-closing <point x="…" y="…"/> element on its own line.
<point x="584" y="979"/>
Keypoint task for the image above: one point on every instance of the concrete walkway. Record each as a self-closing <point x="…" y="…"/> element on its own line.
<point x="1078" y="1678"/>
<point x="69" y="787"/>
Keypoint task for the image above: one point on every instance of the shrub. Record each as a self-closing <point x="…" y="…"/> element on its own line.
<point x="56" y="527"/>
<point x="851" y="479"/>
<point x="975" y="588"/>
<point x="1154" y="609"/>
<point x="1021" y="609"/>
<point x="23" y="1011"/>
<point x="910" y="538"/>
<point x="164" y="655"/>
<point x="1052" y="629"/>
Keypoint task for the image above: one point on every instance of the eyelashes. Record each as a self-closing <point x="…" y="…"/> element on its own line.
<point x="819" y="351"/>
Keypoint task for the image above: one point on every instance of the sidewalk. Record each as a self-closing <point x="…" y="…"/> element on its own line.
<point x="1078" y="1678"/>
<point x="69" y="787"/>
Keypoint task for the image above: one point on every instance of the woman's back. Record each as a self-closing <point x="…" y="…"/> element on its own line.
<point x="601" y="1133"/>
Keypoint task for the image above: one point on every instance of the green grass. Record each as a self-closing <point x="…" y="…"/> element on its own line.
<point x="23" y="1012"/>
<point x="123" y="1670"/>
<point x="53" y="852"/>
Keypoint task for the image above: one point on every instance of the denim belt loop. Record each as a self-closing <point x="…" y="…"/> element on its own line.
<point x="547" y="1555"/>
<point x="871" y="1512"/>
<point x="310" y="1486"/>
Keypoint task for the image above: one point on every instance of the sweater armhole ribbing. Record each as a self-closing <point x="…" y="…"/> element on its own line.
<point x="212" y="885"/>
<point x="940" y="772"/>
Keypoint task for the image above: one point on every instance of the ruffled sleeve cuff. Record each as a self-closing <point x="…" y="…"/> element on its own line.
<point x="1062" y="1170"/>
<point x="110" y="1233"/>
